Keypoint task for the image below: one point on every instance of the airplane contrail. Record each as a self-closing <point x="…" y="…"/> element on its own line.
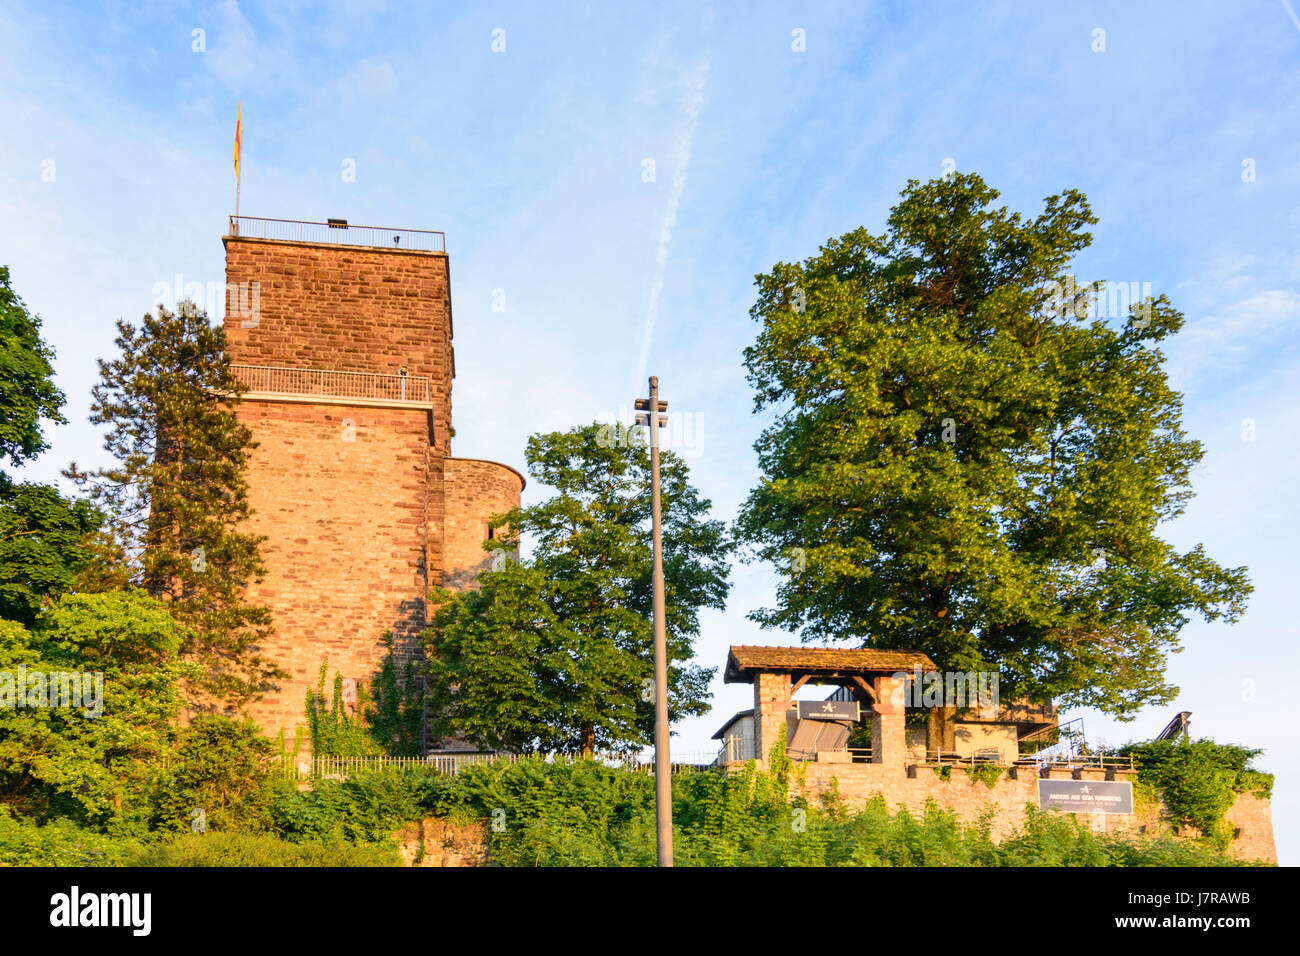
<point x="682" y="154"/>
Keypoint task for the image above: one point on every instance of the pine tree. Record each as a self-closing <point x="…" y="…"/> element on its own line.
<point x="177" y="496"/>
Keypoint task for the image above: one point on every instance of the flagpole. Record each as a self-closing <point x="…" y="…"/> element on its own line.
<point x="239" y="150"/>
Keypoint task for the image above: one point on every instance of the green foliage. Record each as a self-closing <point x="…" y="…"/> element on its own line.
<point x="988" y="773"/>
<point x="564" y="813"/>
<point x="96" y="768"/>
<point x="366" y="808"/>
<point x="41" y="532"/>
<point x="1254" y="781"/>
<point x="219" y="767"/>
<point x="42" y="550"/>
<point x="247" y="849"/>
<point x="568" y="813"/>
<point x="177" y="496"/>
<point x="1198" y="780"/>
<point x="332" y="730"/>
<point x="59" y="843"/>
<point x="555" y="654"/>
<point x="396" y="715"/>
<point x="955" y="445"/>
<point x="27" y="390"/>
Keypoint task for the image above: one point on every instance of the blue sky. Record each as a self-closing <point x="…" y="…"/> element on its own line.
<point x="116" y="175"/>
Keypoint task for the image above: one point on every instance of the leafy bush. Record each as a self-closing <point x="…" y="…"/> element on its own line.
<point x="364" y="809"/>
<point x="565" y="813"/>
<point x="93" y="762"/>
<point x="584" y="813"/>
<point x="220" y="769"/>
<point x="59" y="843"/>
<point x="250" y="849"/>
<point x="573" y="813"/>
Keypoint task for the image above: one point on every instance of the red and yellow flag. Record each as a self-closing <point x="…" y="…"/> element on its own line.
<point x="239" y="119"/>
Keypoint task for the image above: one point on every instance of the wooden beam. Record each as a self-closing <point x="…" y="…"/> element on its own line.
<point x="866" y="688"/>
<point x="797" y="684"/>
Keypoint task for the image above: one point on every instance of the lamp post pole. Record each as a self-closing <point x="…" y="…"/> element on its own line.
<point x="652" y="409"/>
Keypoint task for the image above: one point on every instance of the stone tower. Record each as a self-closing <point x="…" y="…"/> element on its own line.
<point x="344" y="336"/>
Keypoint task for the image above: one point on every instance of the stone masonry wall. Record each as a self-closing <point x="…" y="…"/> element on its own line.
<point x="473" y="491"/>
<point x="347" y="309"/>
<point x="345" y="522"/>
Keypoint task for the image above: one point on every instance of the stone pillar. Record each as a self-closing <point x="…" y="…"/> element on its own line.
<point x="771" y="701"/>
<point x="889" y="723"/>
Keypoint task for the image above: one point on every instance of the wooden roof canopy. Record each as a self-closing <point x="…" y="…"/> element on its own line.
<point x="744" y="661"/>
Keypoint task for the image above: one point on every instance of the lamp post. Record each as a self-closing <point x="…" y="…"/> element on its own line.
<point x="652" y="409"/>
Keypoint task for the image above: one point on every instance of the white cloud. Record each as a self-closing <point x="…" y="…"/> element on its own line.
<point x="1221" y="342"/>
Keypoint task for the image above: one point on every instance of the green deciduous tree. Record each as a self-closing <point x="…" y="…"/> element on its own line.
<point x="41" y="532"/>
<point x="555" y="654"/>
<point x="962" y="460"/>
<point x="96" y="761"/>
<point x="42" y="546"/>
<point x="177" y="496"/>
<point x="27" y="390"/>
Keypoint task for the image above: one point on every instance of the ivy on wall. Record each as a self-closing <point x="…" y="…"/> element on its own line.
<point x="1199" y="781"/>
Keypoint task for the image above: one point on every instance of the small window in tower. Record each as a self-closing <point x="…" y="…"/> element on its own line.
<point x="492" y="532"/>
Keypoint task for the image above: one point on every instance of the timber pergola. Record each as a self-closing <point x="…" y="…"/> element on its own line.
<point x="872" y="676"/>
<point x="855" y="669"/>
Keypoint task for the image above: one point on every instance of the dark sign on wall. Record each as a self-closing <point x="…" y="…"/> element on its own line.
<point x="1086" y="796"/>
<point x="828" y="710"/>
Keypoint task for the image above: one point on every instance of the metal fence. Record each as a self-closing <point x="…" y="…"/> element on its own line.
<point x="449" y="764"/>
<point x="338" y="233"/>
<point x="741" y="749"/>
<point x="280" y="380"/>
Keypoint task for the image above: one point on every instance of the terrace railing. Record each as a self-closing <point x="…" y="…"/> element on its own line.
<point x="270" y="381"/>
<point x="998" y="758"/>
<point x="338" y="233"/>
